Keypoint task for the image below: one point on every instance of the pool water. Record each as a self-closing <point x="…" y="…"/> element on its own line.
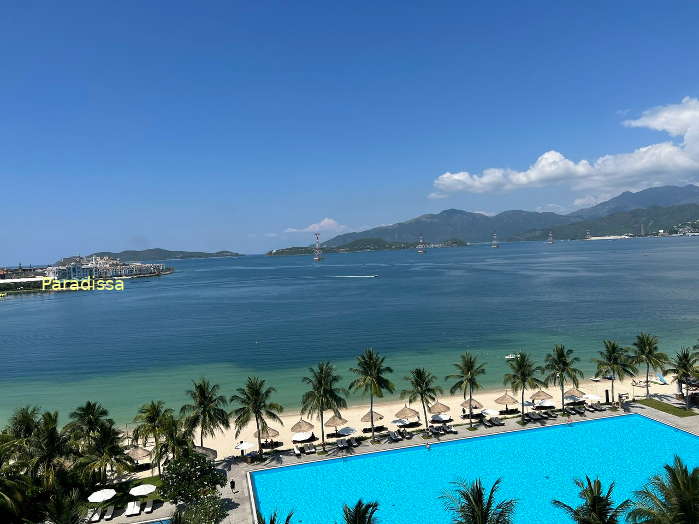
<point x="536" y="466"/>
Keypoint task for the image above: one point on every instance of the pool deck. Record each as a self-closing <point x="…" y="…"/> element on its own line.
<point x="240" y="501"/>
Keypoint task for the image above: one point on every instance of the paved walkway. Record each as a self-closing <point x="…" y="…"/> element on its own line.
<point x="239" y="500"/>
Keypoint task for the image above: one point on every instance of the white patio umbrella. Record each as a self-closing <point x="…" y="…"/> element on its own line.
<point x="590" y="397"/>
<point x="546" y="403"/>
<point x="346" y="431"/>
<point x="573" y="398"/>
<point x="242" y="446"/>
<point x="101" y="495"/>
<point x="301" y="436"/>
<point x="400" y="422"/>
<point x="489" y="413"/>
<point x="142" y="490"/>
<point x="440" y="417"/>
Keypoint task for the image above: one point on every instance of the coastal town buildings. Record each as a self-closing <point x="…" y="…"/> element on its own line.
<point x="101" y="267"/>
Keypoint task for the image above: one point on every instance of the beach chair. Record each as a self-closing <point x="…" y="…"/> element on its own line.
<point x="599" y="407"/>
<point x="434" y="432"/>
<point x="342" y="444"/>
<point x="149" y="506"/>
<point x="94" y="515"/>
<point x="661" y="379"/>
<point x="497" y="422"/>
<point x="297" y="451"/>
<point x="578" y="411"/>
<point x="133" y="508"/>
<point x="109" y="513"/>
<point x="311" y="447"/>
<point x="394" y="437"/>
<point x="590" y="409"/>
<point x="450" y="429"/>
<point x="487" y="423"/>
<point x="551" y="414"/>
<point x="353" y="442"/>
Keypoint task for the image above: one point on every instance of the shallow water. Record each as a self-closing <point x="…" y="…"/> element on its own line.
<point x="276" y="316"/>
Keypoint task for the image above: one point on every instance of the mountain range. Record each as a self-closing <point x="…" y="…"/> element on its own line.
<point x="150" y="255"/>
<point x="529" y="225"/>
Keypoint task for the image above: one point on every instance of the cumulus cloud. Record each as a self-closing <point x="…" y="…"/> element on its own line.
<point x="656" y="164"/>
<point x="327" y="224"/>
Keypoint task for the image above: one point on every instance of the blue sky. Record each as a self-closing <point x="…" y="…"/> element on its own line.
<point x="227" y="125"/>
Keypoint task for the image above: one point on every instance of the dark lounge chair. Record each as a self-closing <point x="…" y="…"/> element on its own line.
<point x="497" y="422"/>
<point x="598" y="407"/>
<point x="487" y="423"/>
<point x="577" y="411"/>
<point x="353" y="442"/>
<point x="342" y="444"/>
<point x="394" y="437"/>
<point x="434" y="432"/>
<point x="450" y="429"/>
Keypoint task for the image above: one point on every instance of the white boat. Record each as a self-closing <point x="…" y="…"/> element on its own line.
<point x="550" y="239"/>
<point x="511" y="356"/>
<point x="420" y="247"/>
<point x="317" y="253"/>
<point x="494" y="242"/>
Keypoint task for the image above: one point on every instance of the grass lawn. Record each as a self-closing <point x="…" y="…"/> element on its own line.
<point x="155" y="480"/>
<point x="667" y="408"/>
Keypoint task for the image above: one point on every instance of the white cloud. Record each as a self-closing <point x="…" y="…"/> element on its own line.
<point x="656" y="164"/>
<point x="486" y="213"/>
<point x="327" y="224"/>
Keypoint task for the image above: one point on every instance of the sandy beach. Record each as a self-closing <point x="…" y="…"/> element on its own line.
<point x="225" y="441"/>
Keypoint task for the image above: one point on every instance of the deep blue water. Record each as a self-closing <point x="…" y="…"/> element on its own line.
<point x="535" y="466"/>
<point x="275" y="316"/>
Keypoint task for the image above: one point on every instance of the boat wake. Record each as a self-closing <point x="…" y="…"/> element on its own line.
<point x="355" y="276"/>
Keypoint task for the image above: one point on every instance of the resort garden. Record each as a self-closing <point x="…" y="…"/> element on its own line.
<point x="48" y="471"/>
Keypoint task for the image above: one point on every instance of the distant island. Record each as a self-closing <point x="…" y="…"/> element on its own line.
<point x="363" y="244"/>
<point x="147" y="255"/>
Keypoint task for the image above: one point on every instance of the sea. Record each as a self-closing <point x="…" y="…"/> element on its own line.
<point x="274" y="317"/>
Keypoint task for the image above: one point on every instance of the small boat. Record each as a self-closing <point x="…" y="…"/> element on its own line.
<point x="550" y="239"/>
<point x="420" y="247"/>
<point x="317" y="252"/>
<point x="511" y="356"/>
<point x="494" y="242"/>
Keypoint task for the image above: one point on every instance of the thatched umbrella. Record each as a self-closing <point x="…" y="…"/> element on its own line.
<point x="506" y="400"/>
<point x="470" y="405"/>
<point x="208" y="452"/>
<point x="540" y="395"/>
<point x="406" y="412"/>
<point x="368" y="416"/>
<point x="266" y="433"/>
<point x="302" y="427"/>
<point x="574" y="392"/>
<point x="438" y="408"/>
<point x="137" y="453"/>
<point x="334" y="422"/>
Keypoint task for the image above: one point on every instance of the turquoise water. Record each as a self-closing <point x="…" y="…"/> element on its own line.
<point x="536" y="466"/>
<point x="276" y="316"/>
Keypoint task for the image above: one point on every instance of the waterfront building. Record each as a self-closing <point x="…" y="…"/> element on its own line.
<point x="101" y="267"/>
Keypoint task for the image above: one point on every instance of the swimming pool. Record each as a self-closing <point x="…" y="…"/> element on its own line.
<point x="536" y="466"/>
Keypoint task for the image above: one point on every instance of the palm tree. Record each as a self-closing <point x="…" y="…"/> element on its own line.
<point x="255" y="404"/>
<point x="324" y="394"/>
<point x="685" y="366"/>
<point x="647" y="353"/>
<point x="48" y="450"/>
<point x="176" y="439"/>
<point x="274" y="518"/>
<point x="468" y="370"/>
<point x="597" y="507"/>
<point x="19" y="430"/>
<point x="560" y="366"/>
<point x="65" y="508"/>
<point x="470" y="505"/>
<point x="616" y="362"/>
<point x="86" y="422"/>
<point x="669" y="499"/>
<point x="150" y="423"/>
<point x="206" y="410"/>
<point x="360" y="513"/>
<point x="422" y="387"/>
<point x="105" y="454"/>
<point x="522" y="376"/>
<point x="371" y="379"/>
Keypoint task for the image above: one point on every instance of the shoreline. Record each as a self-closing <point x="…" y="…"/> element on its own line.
<point x="39" y="280"/>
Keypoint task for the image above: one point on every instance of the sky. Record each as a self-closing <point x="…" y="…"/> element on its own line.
<point x="250" y="125"/>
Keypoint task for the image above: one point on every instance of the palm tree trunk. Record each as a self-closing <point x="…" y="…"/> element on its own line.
<point x="259" y="437"/>
<point x="424" y="412"/>
<point x="686" y="395"/>
<point x="612" y="389"/>
<point x="647" y="384"/>
<point x="322" y="430"/>
<point x="522" y="405"/>
<point x="470" y="407"/>
<point x="371" y="414"/>
<point x="201" y="436"/>
<point x="563" y="399"/>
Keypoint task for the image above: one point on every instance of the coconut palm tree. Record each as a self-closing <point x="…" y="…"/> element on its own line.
<point x="615" y="362"/>
<point x="150" y="423"/>
<point x="255" y="404"/>
<point x="560" y="368"/>
<point x="206" y="410"/>
<point x="176" y="439"/>
<point x="371" y="378"/>
<point x="685" y="366"/>
<point x="323" y="395"/>
<point x="65" y="507"/>
<point x="274" y="518"/>
<point x="522" y="376"/>
<point x="466" y="376"/>
<point x="19" y="430"/>
<point x="423" y="388"/>
<point x="672" y="498"/>
<point x="469" y="504"/>
<point x="647" y="352"/>
<point x="360" y="513"/>
<point x="86" y="422"/>
<point x="48" y="449"/>
<point x="104" y="454"/>
<point x="597" y="507"/>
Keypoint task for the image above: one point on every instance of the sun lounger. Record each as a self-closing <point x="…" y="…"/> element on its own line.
<point x="487" y="423"/>
<point x="354" y="442"/>
<point x="590" y="409"/>
<point x="94" y="515"/>
<point x="661" y="379"/>
<point x="109" y="513"/>
<point x="297" y="452"/>
<point x="497" y="422"/>
<point x="149" y="506"/>
<point x="405" y="434"/>
<point x="551" y="414"/>
<point x="434" y="432"/>
<point x="577" y="411"/>
<point x="599" y="407"/>
<point x="133" y="508"/>
<point x="342" y="444"/>
<point x="450" y="429"/>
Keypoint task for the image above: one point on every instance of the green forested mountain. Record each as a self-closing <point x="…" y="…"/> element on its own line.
<point x="362" y="244"/>
<point x="633" y="222"/>
<point x="149" y="255"/>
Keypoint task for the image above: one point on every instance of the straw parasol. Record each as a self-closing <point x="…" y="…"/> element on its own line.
<point x="438" y="408"/>
<point x="267" y="433"/>
<point x="540" y="395"/>
<point x="574" y="393"/>
<point x="407" y="412"/>
<point x="207" y="452"/>
<point x="302" y="427"/>
<point x="367" y="417"/>
<point x="334" y="422"/>
<point x="506" y="400"/>
<point x="137" y="453"/>
<point x="473" y="403"/>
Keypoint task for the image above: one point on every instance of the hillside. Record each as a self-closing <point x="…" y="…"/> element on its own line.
<point x="149" y="255"/>
<point x="655" y="196"/>
<point x="362" y="244"/>
<point x="456" y="224"/>
<point x="627" y="222"/>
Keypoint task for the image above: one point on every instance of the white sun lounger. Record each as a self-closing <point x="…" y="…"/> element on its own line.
<point x="133" y="508"/>
<point x="297" y="452"/>
<point x="95" y="515"/>
<point x="109" y="513"/>
<point x="149" y="506"/>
